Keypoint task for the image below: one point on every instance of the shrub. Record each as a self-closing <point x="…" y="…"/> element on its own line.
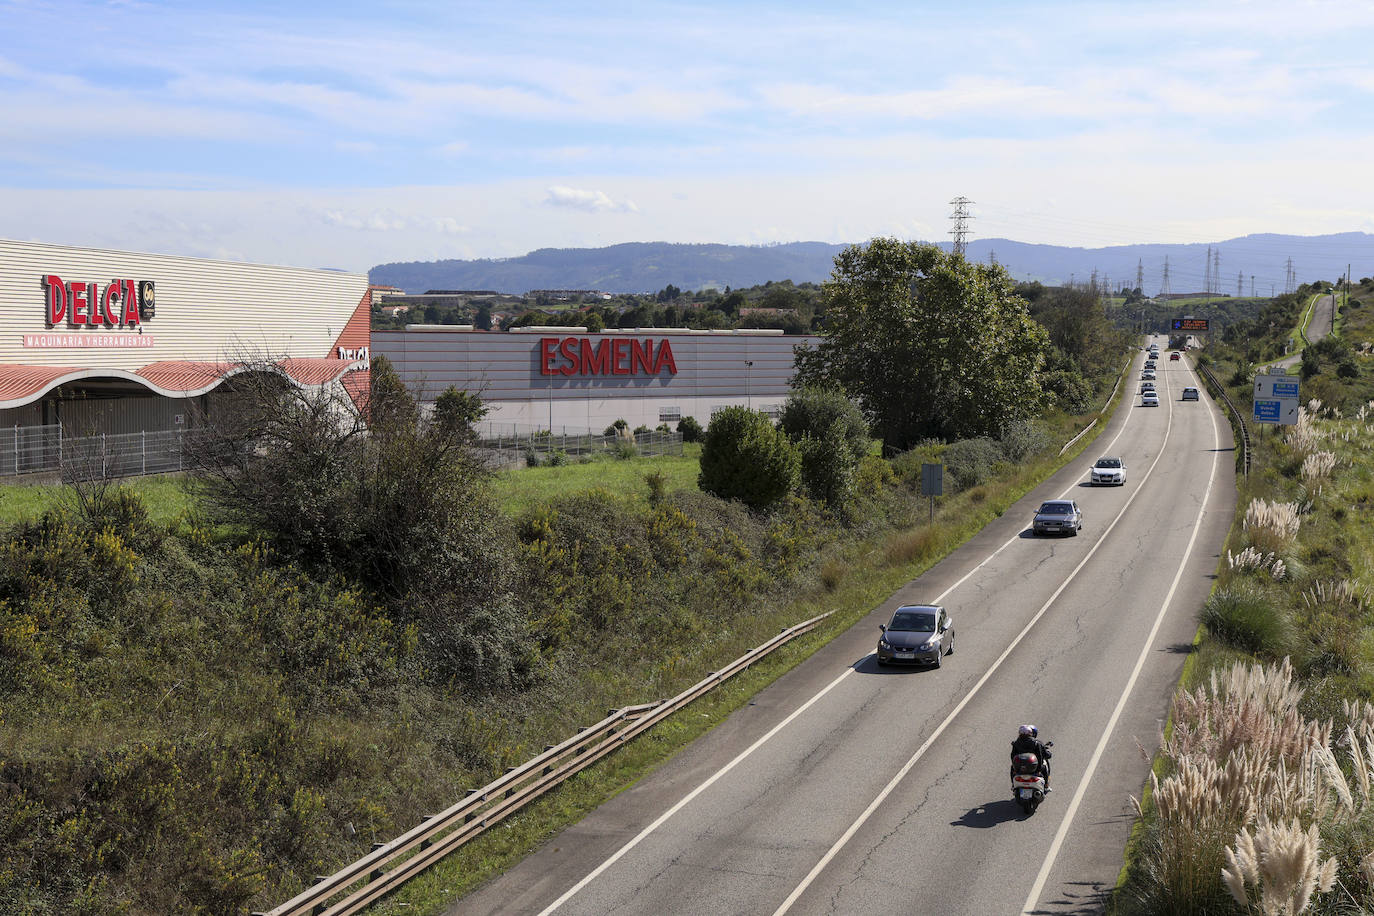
<point x="532" y="459"/>
<point x="642" y="431"/>
<point x="817" y="412"/>
<point x="744" y="457"/>
<point x="1245" y="618"/>
<point x="615" y="428"/>
<point x="691" y="430"/>
<point x="970" y="462"/>
<point x="624" y="451"/>
<point x="827" y="468"/>
<point x="1021" y="439"/>
<point x="1068" y="390"/>
<point x="557" y="458"/>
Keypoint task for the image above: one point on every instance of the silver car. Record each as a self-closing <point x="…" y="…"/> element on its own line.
<point x="1149" y="399"/>
<point x="1108" y="470"/>
<point x="917" y="634"/>
<point x="1057" y="516"/>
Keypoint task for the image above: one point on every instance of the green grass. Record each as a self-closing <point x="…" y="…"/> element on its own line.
<point x="166" y="498"/>
<point x="521" y="489"/>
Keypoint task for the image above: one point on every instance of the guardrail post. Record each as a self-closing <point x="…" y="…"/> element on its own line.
<point x="426" y="843"/>
<point x="376" y="872"/>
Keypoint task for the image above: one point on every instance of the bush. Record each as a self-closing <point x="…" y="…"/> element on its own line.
<point x="624" y="451"/>
<point x="827" y="467"/>
<point x="1068" y="389"/>
<point x="615" y="428"/>
<point x="1243" y="617"/>
<point x="532" y="459"/>
<point x="744" y="457"/>
<point x="557" y="458"/>
<point x="1021" y="439"/>
<point x="970" y="462"/>
<point x="816" y="412"/>
<point x="691" y="430"/>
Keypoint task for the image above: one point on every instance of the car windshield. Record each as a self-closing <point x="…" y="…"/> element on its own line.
<point x="1054" y="509"/>
<point x="915" y="621"/>
<point x="1109" y="462"/>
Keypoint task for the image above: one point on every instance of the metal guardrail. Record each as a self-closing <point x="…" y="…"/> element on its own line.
<point x="1240" y="420"/>
<point x="390" y="865"/>
<point x="1120" y="375"/>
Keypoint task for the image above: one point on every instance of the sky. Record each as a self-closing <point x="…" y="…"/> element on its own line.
<point x="344" y="135"/>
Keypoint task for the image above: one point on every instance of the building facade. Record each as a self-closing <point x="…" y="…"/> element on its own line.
<point x="101" y="341"/>
<point x="566" y="379"/>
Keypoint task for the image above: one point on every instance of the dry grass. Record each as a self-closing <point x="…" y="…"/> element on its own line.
<point x="1271" y="527"/>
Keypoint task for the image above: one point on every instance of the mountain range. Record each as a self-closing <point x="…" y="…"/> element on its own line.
<point x="1249" y="265"/>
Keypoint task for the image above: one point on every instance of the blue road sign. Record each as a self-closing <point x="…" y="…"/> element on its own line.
<point x="1267" y="411"/>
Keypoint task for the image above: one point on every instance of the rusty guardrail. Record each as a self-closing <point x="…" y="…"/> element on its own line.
<point x="1240" y="420"/>
<point x="389" y="865"/>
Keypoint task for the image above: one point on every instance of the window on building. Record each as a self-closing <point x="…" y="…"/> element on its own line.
<point x="669" y="414"/>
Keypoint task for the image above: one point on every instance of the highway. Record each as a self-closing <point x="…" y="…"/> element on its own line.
<point x="845" y="788"/>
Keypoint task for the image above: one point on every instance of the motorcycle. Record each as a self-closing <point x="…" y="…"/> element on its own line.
<point x="1028" y="781"/>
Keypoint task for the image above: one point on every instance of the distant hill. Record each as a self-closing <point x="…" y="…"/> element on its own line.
<point x="1258" y="261"/>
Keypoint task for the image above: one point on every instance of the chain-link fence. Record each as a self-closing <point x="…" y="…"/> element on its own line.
<point x="540" y="447"/>
<point x="47" y="450"/>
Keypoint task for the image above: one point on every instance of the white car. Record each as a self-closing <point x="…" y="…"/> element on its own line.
<point x="1148" y="375"/>
<point x="1108" y="470"/>
<point x="1149" y="399"/>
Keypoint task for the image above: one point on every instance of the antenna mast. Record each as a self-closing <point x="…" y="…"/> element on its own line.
<point x="961" y="229"/>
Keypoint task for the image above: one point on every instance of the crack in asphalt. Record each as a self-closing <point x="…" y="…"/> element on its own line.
<point x="897" y="828"/>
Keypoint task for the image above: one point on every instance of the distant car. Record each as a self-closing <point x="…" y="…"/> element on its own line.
<point x="917" y="634"/>
<point x="1108" y="470"/>
<point x="1057" y="516"/>
<point x="1173" y="357"/>
<point x="1148" y="375"/>
<point x="1190" y="394"/>
<point x="1150" y="364"/>
<point x="1149" y="399"/>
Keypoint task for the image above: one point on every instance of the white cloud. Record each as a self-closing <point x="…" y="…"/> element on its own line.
<point x="591" y="201"/>
<point x="450" y="226"/>
<point x="375" y="221"/>
<point x="455" y="148"/>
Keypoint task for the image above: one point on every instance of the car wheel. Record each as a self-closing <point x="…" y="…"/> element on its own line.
<point x="939" y="657"/>
<point x="951" y="645"/>
<point x="1073" y="532"/>
<point x="881" y="663"/>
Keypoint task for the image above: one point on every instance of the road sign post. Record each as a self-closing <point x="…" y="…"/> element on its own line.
<point x="932" y="484"/>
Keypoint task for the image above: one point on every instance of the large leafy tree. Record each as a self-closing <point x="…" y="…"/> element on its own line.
<point x="745" y="457"/>
<point x="928" y="343"/>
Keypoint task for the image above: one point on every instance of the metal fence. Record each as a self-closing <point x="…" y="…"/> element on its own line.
<point x="539" y="447"/>
<point x="48" y="450"/>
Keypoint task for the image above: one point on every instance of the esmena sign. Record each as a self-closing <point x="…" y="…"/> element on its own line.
<point x="118" y="304"/>
<point x="607" y="356"/>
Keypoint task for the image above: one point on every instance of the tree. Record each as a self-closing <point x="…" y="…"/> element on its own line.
<point x="482" y="321"/>
<point x="929" y="344"/>
<point x="744" y="457"/>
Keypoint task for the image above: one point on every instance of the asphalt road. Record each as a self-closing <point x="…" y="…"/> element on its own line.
<point x="845" y="788"/>
<point x="1317" y="328"/>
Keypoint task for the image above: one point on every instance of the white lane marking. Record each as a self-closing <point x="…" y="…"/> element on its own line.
<point x="920" y="752"/>
<point x="711" y="780"/>
<point x="691" y="795"/>
<point x="1034" y="897"/>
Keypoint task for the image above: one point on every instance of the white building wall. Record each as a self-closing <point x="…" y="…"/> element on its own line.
<point x="206" y="310"/>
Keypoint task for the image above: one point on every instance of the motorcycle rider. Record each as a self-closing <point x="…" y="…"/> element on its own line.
<point x="1028" y="742"/>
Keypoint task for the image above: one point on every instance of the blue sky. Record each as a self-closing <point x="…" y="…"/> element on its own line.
<point x="349" y="134"/>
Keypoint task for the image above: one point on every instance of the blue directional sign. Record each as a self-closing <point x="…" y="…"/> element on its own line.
<point x="1288" y="388"/>
<point x="1267" y="411"/>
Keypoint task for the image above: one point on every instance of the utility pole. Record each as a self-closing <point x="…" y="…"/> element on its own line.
<point x="1240" y="284"/>
<point x="1289" y="278"/>
<point x="1216" y="271"/>
<point x="1207" y="273"/>
<point x="1164" y="285"/>
<point x="1252" y="286"/>
<point x="1140" y="275"/>
<point x="961" y="229"/>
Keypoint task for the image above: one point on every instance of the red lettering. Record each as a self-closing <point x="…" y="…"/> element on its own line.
<point x="595" y="361"/>
<point x="618" y="353"/>
<point x="546" y="354"/>
<point x="130" y="297"/>
<point x="664" y="358"/>
<point x="569" y="350"/>
<point x="81" y="301"/>
<point x="107" y="301"/>
<point x="641" y="356"/>
<point x="57" y="298"/>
